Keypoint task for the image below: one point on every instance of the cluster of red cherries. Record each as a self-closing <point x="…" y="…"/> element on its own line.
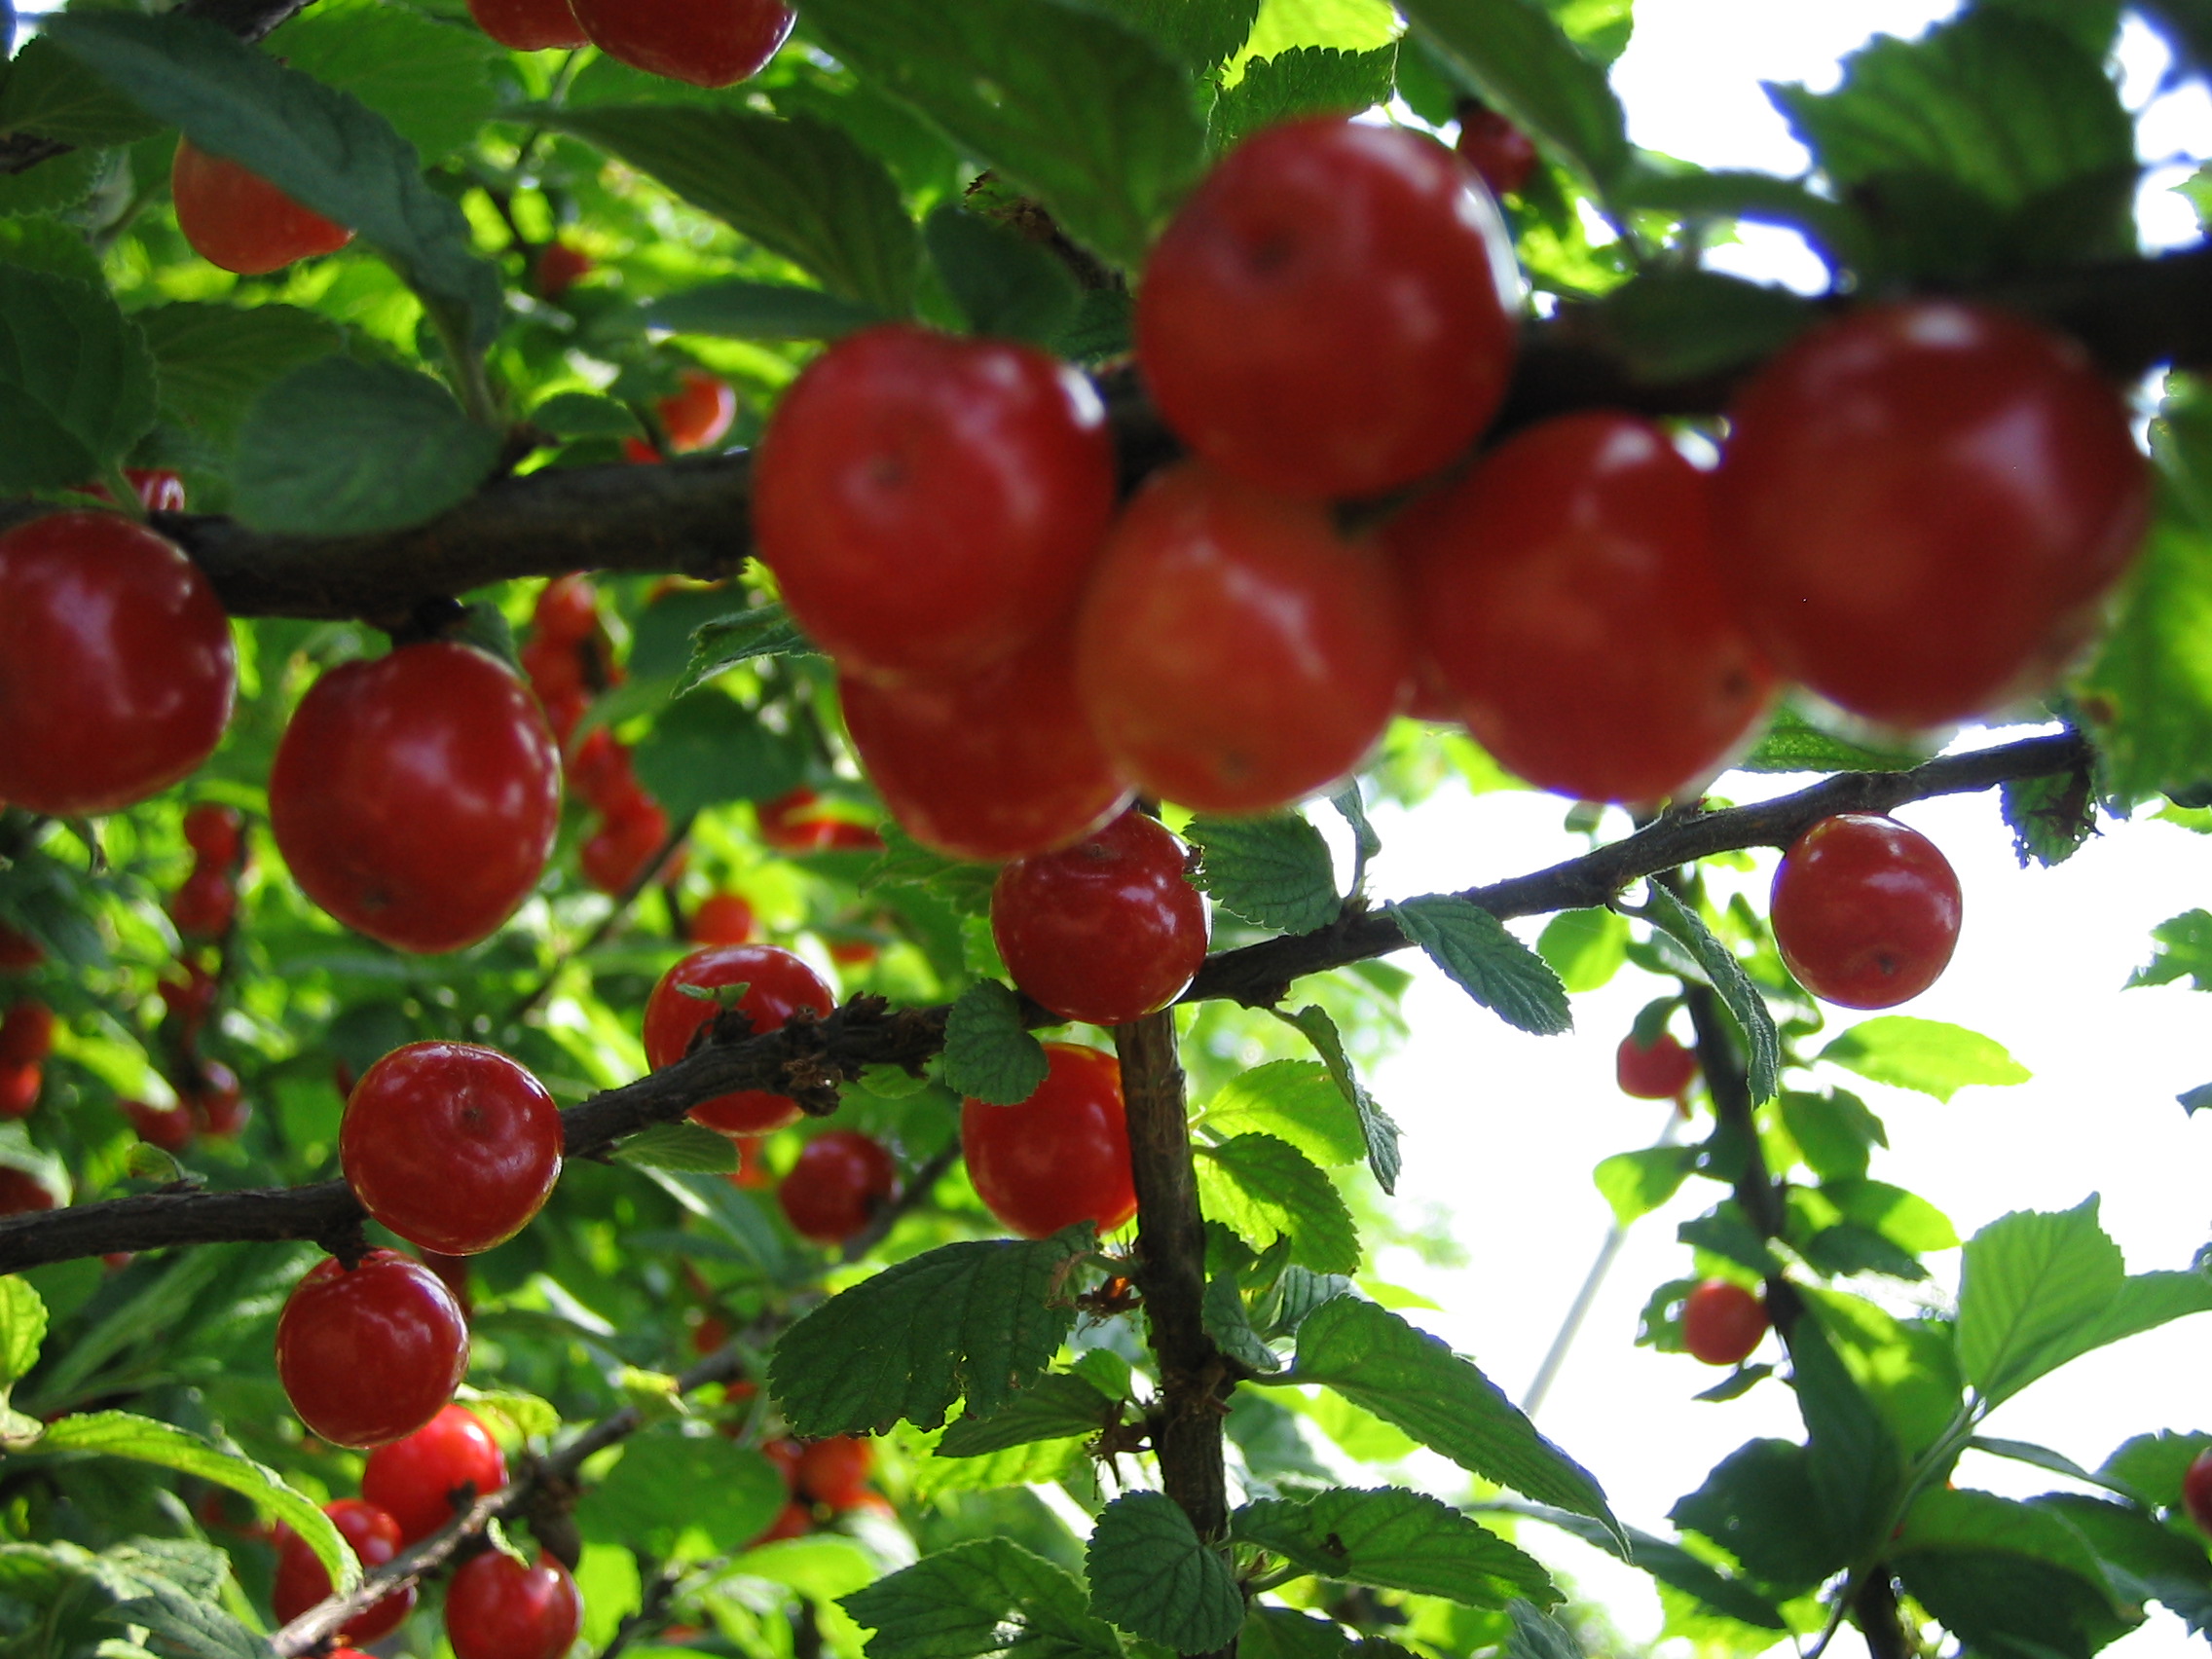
<point x="26" y="1038"/>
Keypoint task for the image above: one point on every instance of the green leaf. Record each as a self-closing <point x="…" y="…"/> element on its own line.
<point x="1516" y="54"/>
<point x="1834" y="1131"/>
<point x="1200" y="33"/>
<point x="2151" y="1465"/>
<point x="2052" y="819"/>
<point x="22" y="1329"/>
<point x="584" y="415"/>
<point x="1672" y="1564"/>
<point x="1153" y="1576"/>
<point x="1537" y="1635"/>
<point x="347" y="448"/>
<point x="1260" y="1187"/>
<point x="213" y="361"/>
<point x="1274" y="872"/>
<point x="1376" y="1125"/>
<point x="53" y="247"/>
<point x="800" y="188"/>
<point x="1398" y="1540"/>
<point x="319" y="146"/>
<point x="2185" y="952"/>
<point x="120" y="1434"/>
<point x="980" y="1319"/>
<point x="55" y="186"/>
<point x="1679" y="324"/>
<point x="1853" y="1460"/>
<point x="739" y="310"/>
<point x="681" y="1495"/>
<point x="706" y="749"/>
<point x="76" y="382"/>
<point x="1311" y="80"/>
<point x="988" y="1054"/>
<point x="1759" y="1505"/>
<point x="1834" y="230"/>
<point x="2007" y="1577"/>
<point x="46" y="91"/>
<point x="1005" y="285"/>
<point x="1906" y="1217"/>
<point x="1409" y="1379"/>
<point x="1636" y="1183"/>
<point x="1585" y="947"/>
<point x="1487" y="961"/>
<point x="1284" y="1632"/>
<point x="1924" y="1055"/>
<point x="1061" y="1406"/>
<point x="757" y="630"/>
<point x="432" y="80"/>
<point x="1070" y="105"/>
<point x="905" y="862"/>
<point x="197" y="1624"/>
<point x="1761" y="1042"/>
<point x="1793" y="743"/>
<point x="989" y="1598"/>
<point x="1293" y="1100"/>
<point x="1229" y="1321"/>
<point x="680" y="1146"/>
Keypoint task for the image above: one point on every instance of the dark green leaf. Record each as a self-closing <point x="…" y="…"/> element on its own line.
<point x="432" y="80"/>
<point x="48" y="92"/>
<point x="1200" y="33"/>
<point x="1102" y="326"/>
<point x="1274" y="872"/>
<point x="1284" y="1632"/>
<point x="1636" y="1183"/>
<point x="2006" y="1577"/>
<point x="52" y="185"/>
<point x="53" y="247"/>
<point x="1726" y="1234"/>
<point x="1584" y="947"/>
<point x="197" y="1624"/>
<point x="1514" y="52"/>
<point x="1092" y="118"/>
<point x="706" y="749"/>
<point x="669" y="1484"/>
<point x="2185" y="952"/>
<point x="980" y="1320"/>
<point x="905" y="862"/>
<point x="1852" y="1457"/>
<point x="1398" y="1540"/>
<point x="1154" y="1577"/>
<point x="584" y="415"/>
<point x="2056" y="1463"/>
<point x="1834" y="1131"/>
<point x="1924" y="1055"/>
<point x="1005" y="285"/>
<point x="347" y="448"/>
<point x="1672" y="1564"/>
<point x="1294" y="1100"/>
<point x="2051" y="819"/>
<point x="1263" y="1187"/>
<point x="1537" y="1635"/>
<point x="800" y="188"/>
<point x="1376" y="1126"/>
<point x="1229" y="1323"/>
<point x="757" y="630"/>
<point x="988" y="1053"/>
<point x="1761" y="1042"/>
<point x="1679" y="324"/>
<point x="1061" y="1406"/>
<point x="76" y="382"/>
<point x="1311" y="80"/>
<point x="215" y="360"/>
<point x="991" y="1599"/>
<point x="1760" y="1506"/>
<point x="1793" y="743"/>
<point x="2148" y="693"/>
<point x="2151" y="1465"/>
<point x="1473" y="948"/>
<point x="680" y="1146"/>
<point x="1834" y="230"/>
<point x="738" y="310"/>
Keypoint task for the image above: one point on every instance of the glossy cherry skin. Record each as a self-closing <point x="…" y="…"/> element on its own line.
<point x="416" y="798"/>
<point x="453" y="1147"/>
<point x="241" y="222"/>
<point x="1105" y="930"/>
<point x="497" y="1608"/>
<point x="20" y="1085"/>
<point x="300" y="1581"/>
<point x="841" y="1179"/>
<point x="116" y="664"/>
<point x="1060" y="1157"/>
<point x="709" y="43"/>
<point x="778" y="985"/>
<point x="990" y="767"/>
<point x="204" y="905"/>
<point x="1234" y="653"/>
<point x="1661" y="1071"/>
<point x="566" y="609"/>
<point x="1919" y="506"/>
<point x="160" y="491"/>
<point x="1565" y="595"/>
<point x="794" y="1521"/>
<point x="529" y="25"/>
<point x="215" y="833"/>
<point x="172" y="1131"/>
<point x="21" y="1192"/>
<point x="1496" y="148"/>
<point x="1866" y="911"/>
<point x="559" y="267"/>
<point x="930" y="504"/>
<point x="834" y="1471"/>
<point x="1332" y="312"/>
<point x="1722" y="1322"/>
<point x="414" y="1479"/>
<point x="2197" y="1491"/>
<point x="214" y="1101"/>
<point x="721" y="918"/>
<point x="698" y="412"/>
<point x="369" y="1355"/>
<point x="26" y="1032"/>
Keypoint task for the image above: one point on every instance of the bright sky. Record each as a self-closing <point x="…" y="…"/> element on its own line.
<point x="1523" y="1119"/>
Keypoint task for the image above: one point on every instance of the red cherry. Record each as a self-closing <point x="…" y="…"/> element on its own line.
<point x="838" y="1183"/>
<point x="553" y="667"/>
<point x="930" y="504"/>
<point x="160" y="491"/>
<point x="793" y="1521"/>
<point x="416" y="798"/>
<point x="1235" y="652"/>
<point x="615" y="856"/>
<point x="172" y="1129"/>
<point x="1060" y="1157"/>
<point x="497" y="1608"/>
<point x="1659" y="1071"/>
<point x="214" y="1103"/>
<point x="529" y="25"/>
<point x="778" y="985"/>
<point x="852" y="952"/>
<point x="1919" y="506"/>
<point x="453" y="1147"/>
<point x="241" y="222"/>
<point x="116" y="664"/>
<point x="789" y="825"/>
<point x="1722" y="1322"/>
<point x="1106" y="930"/>
<point x="991" y="767"/>
<point x="721" y="918"/>
<point x="752" y="1172"/>
<point x="709" y="43"/>
<point x="699" y="412"/>
<point x="558" y="266"/>
<point x="215" y="833"/>
<point x="1865" y="910"/>
<point x="708" y="1335"/>
<point x="563" y="713"/>
<point x="20" y="953"/>
<point x="204" y="905"/>
<point x="302" y="1583"/>
<point x="21" y="1192"/>
<point x="370" y="1354"/>
<point x="191" y="998"/>
<point x="787" y="1456"/>
<point x="1496" y="148"/>
<point x="1564" y="593"/>
<point x="26" y="1033"/>
<point x="415" y="1479"/>
<point x="2196" y="1491"/>
<point x="600" y="773"/>
<point x="566" y="610"/>
<point x="834" y="1471"/>
<point x="20" y="1085"/>
<point x="1332" y="311"/>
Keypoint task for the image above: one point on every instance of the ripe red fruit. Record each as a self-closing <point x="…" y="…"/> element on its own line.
<point x="930" y="504"/>
<point x="215" y="833"/>
<point x="566" y="610"/>
<point x="529" y="25"/>
<point x="838" y="1183"/>
<point x="1332" y="311"/>
<point x="241" y="222"/>
<point x="834" y="1471"/>
<point x="699" y="412"/>
<point x="600" y="773"/>
<point x="789" y="825"/>
<point x="785" y="1455"/>
<point x="619" y="852"/>
<point x="1496" y="148"/>
<point x="2196" y="1491"/>
<point x="214" y="1102"/>
<point x="160" y="491"/>
<point x="170" y="1130"/>
<point x="116" y="664"/>
<point x="564" y="712"/>
<point x="1722" y="1322"/>
<point x="854" y="952"/>
<point x="21" y="1192"/>
<point x="709" y="43"/>
<point x="190" y="999"/>
<point x="1106" y="930"/>
<point x="559" y="266"/>
<point x="370" y="1354"/>
<point x="497" y="1608"/>
<point x="793" y="1521"/>
<point x="721" y="918"/>
<point x="1866" y="911"/>
<point x="416" y="798"/>
<point x="20" y="953"/>
<point x="1919" y="506"/>
<point x="26" y="1032"/>
<point x="414" y="1479"/>
<point x="1060" y="1157"/>
<point x="203" y="906"/>
<point x="452" y="1146"/>
<point x="553" y="667"/>
<point x="778" y="985"/>
<point x="1234" y="652"/>
<point x="1564" y="593"/>
<point x="1661" y="1071"/>
<point x="990" y="767"/>
<point x="20" y="1085"/>
<point x="300" y="1581"/>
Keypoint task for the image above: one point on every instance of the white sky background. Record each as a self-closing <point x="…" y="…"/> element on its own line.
<point x="1503" y="1129"/>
